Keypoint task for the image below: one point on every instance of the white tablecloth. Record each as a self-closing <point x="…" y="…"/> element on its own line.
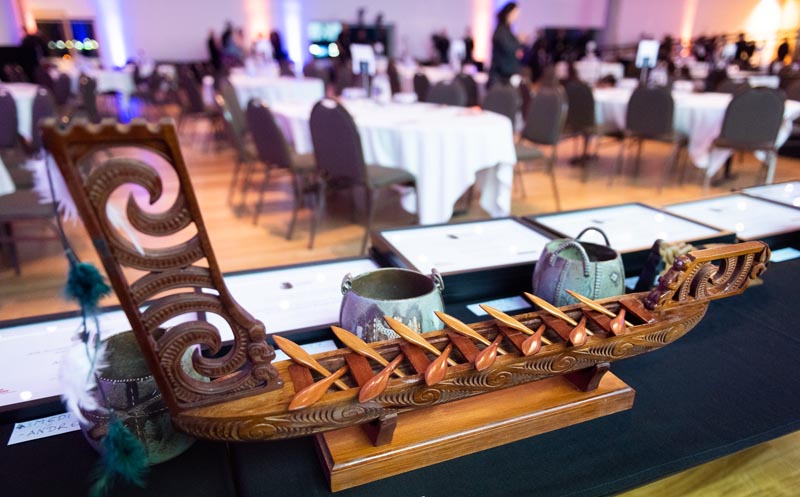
<point x="435" y="74"/>
<point x="108" y="80"/>
<point x="590" y="71"/>
<point x="273" y="90"/>
<point x="446" y="148"/>
<point x="698" y="115"/>
<point x="23" y="94"/>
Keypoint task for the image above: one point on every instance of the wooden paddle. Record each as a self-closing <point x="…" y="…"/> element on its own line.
<point x="487" y="356"/>
<point x="437" y="369"/>
<point x="303" y="358"/>
<point x="361" y="347"/>
<point x="597" y="307"/>
<point x="411" y="336"/>
<point x="459" y="327"/>
<point x="377" y="384"/>
<point x="312" y="393"/>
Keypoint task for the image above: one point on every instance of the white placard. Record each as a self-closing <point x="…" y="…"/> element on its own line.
<point x="311" y="348"/>
<point x="44" y="427"/>
<point x="31" y="355"/>
<point x="748" y="217"/>
<point x="784" y="193"/>
<point x="293" y="298"/>
<point x="507" y="304"/>
<point x="467" y="246"/>
<point x="629" y="227"/>
<point x="647" y="53"/>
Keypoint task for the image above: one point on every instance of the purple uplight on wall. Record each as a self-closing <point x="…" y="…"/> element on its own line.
<point x="109" y="14"/>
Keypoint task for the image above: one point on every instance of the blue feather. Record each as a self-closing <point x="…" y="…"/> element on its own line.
<point x="124" y="458"/>
<point x="86" y="285"/>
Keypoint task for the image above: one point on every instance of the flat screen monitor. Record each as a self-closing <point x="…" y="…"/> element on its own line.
<point x="363" y="56"/>
<point x="324" y="31"/>
<point x="647" y="53"/>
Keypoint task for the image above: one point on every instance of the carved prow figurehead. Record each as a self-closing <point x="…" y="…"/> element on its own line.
<point x="695" y="277"/>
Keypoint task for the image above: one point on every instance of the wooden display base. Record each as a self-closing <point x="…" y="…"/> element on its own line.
<point x="349" y="457"/>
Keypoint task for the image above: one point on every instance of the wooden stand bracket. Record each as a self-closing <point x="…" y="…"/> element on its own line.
<point x="350" y="457"/>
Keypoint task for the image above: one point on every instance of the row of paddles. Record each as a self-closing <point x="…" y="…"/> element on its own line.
<point x="436" y="370"/>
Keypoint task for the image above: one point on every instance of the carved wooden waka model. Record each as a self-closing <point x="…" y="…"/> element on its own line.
<point x="242" y="395"/>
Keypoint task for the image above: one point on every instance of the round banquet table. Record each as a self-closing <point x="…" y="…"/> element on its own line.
<point x="446" y="148"/>
<point x="272" y="90"/>
<point x="108" y="80"/>
<point x="697" y="115"/>
<point x="592" y="70"/>
<point x="435" y="74"/>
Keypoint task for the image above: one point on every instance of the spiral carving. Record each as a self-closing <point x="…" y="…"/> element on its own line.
<point x="695" y="277"/>
<point x="173" y="282"/>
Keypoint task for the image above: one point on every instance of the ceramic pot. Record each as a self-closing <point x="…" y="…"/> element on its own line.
<point x="130" y="390"/>
<point x="595" y="271"/>
<point x="406" y="295"/>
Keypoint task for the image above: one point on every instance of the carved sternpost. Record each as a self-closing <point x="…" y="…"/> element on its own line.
<point x="174" y="282"/>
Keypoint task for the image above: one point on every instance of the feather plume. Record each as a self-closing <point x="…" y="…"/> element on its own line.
<point x="41" y="185"/>
<point x="124" y="458"/>
<point x="78" y="378"/>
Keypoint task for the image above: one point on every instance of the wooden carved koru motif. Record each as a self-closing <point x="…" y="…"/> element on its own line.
<point x="179" y="280"/>
<point x="693" y="277"/>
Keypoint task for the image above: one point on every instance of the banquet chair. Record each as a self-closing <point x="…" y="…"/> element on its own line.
<point x="504" y="100"/>
<point x="394" y="77"/>
<point x="23" y="206"/>
<point x="340" y="162"/>
<point x="275" y="153"/>
<point x="751" y="123"/>
<point x="14" y="73"/>
<point x="525" y="96"/>
<point x="87" y="88"/>
<point x="43" y="107"/>
<point x="62" y="90"/>
<point x="447" y="93"/>
<point x="543" y="126"/>
<point x="650" y="116"/>
<point x="422" y="86"/>
<point x="9" y="137"/>
<point x="581" y="121"/>
<point x="245" y="156"/>
<point x="732" y="87"/>
<point x="195" y="111"/>
<point x="312" y="70"/>
<point x="793" y="91"/>
<point x="42" y="77"/>
<point x="237" y="112"/>
<point x="471" y="88"/>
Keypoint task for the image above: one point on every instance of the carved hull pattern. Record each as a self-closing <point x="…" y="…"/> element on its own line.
<point x="401" y="396"/>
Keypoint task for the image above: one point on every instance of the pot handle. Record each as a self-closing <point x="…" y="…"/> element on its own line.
<point x="437" y="279"/>
<point x="594" y="228"/>
<point x="347" y="283"/>
<point x="581" y="250"/>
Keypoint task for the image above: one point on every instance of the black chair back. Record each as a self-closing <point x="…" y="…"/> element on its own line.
<point x="502" y="99"/>
<point x="421" y="86"/>
<point x="448" y="93"/>
<point x="41" y="77"/>
<point x="286" y="69"/>
<point x="524" y="90"/>
<point x="546" y="116"/>
<point x="471" y="88"/>
<point x="337" y="145"/>
<point x="650" y="112"/>
<point x="394" y="77"/>
<point x="312" y="70"/>
<point x="192" y="90"/>
<point x="14" y="73"/>
<point x="229" y="94"/>
<point x="43" y="107"/>
<point x="271" y="146"/>
<point x="62" y="88"/>
<point x="753" y="118"/>
<point x="731" y="87"/>
<point x="8" y="120"/>
<point x="87" y="88"/>
<point x="580" y="116"/>
<point x="235" y="132"/>
<point x="793" y="91"/>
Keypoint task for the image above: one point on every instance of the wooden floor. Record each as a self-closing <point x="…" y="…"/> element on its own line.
<point x="768" y="469"/>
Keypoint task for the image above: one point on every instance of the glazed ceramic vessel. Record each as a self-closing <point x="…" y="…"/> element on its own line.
<point x="406" y="295"/>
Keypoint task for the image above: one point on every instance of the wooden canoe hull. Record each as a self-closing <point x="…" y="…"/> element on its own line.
<point x="266" y="417"/>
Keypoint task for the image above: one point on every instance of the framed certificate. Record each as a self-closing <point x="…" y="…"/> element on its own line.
<point x="783" y="193"/>
<point x="476" y="259"/>
<point x="631" y="229"/>
<point x="292" y="300"/>
<point x="748" y="217"/>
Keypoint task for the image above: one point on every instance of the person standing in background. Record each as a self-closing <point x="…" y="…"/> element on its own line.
<point x="506" y="48"/>
<point x="213" y="51"/>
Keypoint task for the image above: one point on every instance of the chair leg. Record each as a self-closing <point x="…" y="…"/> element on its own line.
<point x="519" y="178"/>
<point x="620" y="162"/>
<point x="317" y="217"/>
<point x="298" y="199"/>
<point x="706" y="176"/>
<point x="551" y="167"/>
<point x="7" y="232"/>
<point x="260" y="202"/>
<point x="371" y="197"/>
<point x="771" y="160"/>
<point x="246" y="183"/>
<point x="585" y="173"/>
<point x="638" y="163"/>
<point x="671" y="165"/>
<point x="234" y="180"/>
